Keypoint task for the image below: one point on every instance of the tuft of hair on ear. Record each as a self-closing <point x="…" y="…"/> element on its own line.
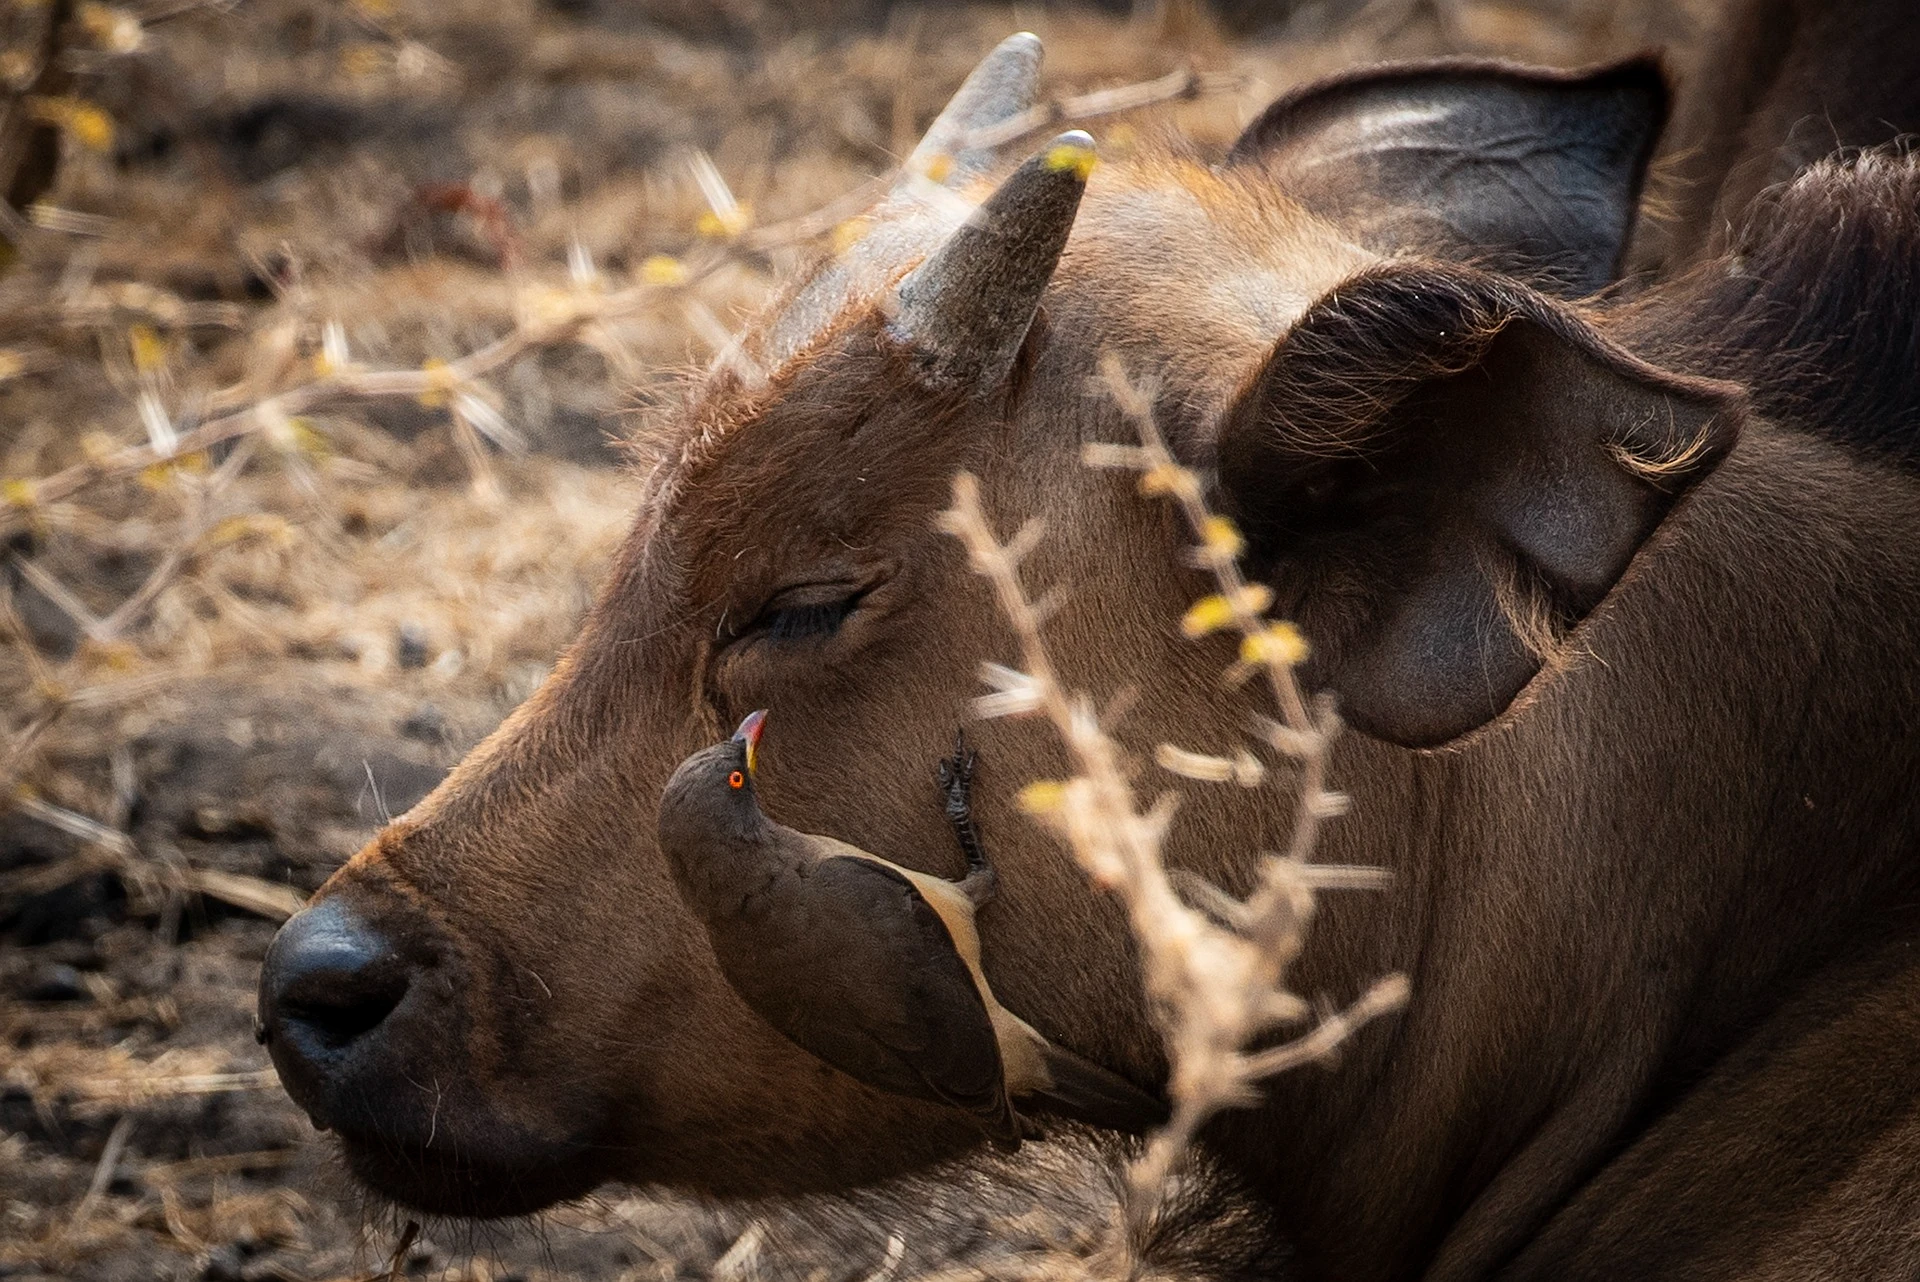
<point x="1330" y="390"/>
<point x="1526" y="605"/>
<point x="1663" y="460"/>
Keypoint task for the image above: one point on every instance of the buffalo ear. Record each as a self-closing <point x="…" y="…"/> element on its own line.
<point x="1441" y="472"/>
<point x="1534" y="173"/>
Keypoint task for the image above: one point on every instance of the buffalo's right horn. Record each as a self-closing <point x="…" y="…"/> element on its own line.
<point x="1001" y="87"/>
<point x="923" y="206"/>
<point x="966" y="309"/>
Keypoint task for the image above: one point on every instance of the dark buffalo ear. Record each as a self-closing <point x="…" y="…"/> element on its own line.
<point x="1535" y="173"/>
<point x="1441" y="472"/>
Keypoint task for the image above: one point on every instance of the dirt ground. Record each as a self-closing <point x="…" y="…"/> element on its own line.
<point x="397" y="274"/>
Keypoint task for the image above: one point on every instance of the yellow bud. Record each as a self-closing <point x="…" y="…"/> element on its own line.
<point x="663" y="269"/>
<point x="1065" y="156"/>
<point x="360" y="61"/>
<point x="92" y="128"/>
<point x="273" y="529"/>
<point x="1211" y="613"/>
<point x="1043" y="797"/>
<point x="939" y="165"/>
<point x="114" y="656"/>
<point x="1276" y="643"/>
<point x="304" y="438"/>
<point x="439" y="383"/>
<point x="725" y="224"/>
<point x="19" y="492"/>
<point x="158" y="476"/>
<point x="1221" y="537"/>
<point x="1208" y="614"/>
<point x="1170" y="478"/>
<point x="83" y="122"/>
<point x="849" y="233"/>
<point x="148" y="348"/>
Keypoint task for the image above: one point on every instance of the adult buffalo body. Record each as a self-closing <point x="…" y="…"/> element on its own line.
<point x="1630" y="654"/>
<point x="1766" y="88"/>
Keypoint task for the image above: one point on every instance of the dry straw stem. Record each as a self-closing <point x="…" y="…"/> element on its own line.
<point x="554" y="317"/>
<point x="1215" y="975"/>
<point x="102" y="1174"/>
<point x="116" y="1080"/>
<point x="551" y="316"/>
<point x="105" y="848"/>
<point x="1177" y="85"/>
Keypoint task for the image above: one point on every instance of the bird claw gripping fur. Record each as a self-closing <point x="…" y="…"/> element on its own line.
<point x="955" y="777"/>
<point x="955" y="774"/>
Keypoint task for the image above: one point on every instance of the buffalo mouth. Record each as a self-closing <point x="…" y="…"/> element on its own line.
<point x="469" y="1184"/>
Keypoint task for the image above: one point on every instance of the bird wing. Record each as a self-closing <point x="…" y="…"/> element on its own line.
<point x="865" y="976"/>
<point x="946" y="898"/>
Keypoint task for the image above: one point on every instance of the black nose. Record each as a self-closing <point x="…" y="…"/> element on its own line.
<point x="329" y="983"/>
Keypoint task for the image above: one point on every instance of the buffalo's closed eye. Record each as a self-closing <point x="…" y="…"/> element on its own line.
<point x="799" y="615"/>
<point x="808" y="620"/>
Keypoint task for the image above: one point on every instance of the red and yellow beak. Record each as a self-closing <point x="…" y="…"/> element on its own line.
<point x="749" y="734"/>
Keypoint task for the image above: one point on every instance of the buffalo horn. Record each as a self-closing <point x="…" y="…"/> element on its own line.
<point x="1001" y="87"/>
<point x="923" y="205"/>
<point x="967" y="308"/>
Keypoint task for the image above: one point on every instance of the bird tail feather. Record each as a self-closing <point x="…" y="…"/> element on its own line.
<point x="1085" y="1092"/>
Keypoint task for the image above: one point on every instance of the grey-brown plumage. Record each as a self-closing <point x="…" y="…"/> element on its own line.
<point x="870" y="966"/>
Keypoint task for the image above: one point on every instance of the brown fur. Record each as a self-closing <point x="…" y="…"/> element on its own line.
<point x="1654" y="911"/>
<point x="1816" y="308"/>
<point x="1767" y="87"/>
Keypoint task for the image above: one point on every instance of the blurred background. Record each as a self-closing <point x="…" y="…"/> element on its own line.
<point x="320" y="323"/>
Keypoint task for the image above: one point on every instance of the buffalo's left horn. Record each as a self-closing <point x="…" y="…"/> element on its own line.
<point x="1002" y="86"/>
<point x="967" y="308"/>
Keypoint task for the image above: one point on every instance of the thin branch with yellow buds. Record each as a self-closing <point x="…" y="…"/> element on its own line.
<point x="1215" y="975"/>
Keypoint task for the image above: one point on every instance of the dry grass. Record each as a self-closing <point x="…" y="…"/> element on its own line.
<point x="308" y="351"/>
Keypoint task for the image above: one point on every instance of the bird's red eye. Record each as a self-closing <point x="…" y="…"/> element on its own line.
<point x="736" y="780"/>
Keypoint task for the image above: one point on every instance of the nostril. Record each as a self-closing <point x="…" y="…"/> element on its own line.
<point x="329" y="979"/>
<point x="341" y="1006"/>
<point x="334" y="1011"/>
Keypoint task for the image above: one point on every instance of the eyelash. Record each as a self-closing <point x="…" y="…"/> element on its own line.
<point x="812" y="621"/>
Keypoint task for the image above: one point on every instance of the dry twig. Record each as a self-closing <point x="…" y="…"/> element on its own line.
<point x="102" y="1174"/>
<point x="1216" y="978"/>
<point x="104" y="848"/>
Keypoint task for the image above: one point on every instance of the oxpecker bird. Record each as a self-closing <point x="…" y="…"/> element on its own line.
<point x="872" y="967"/>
